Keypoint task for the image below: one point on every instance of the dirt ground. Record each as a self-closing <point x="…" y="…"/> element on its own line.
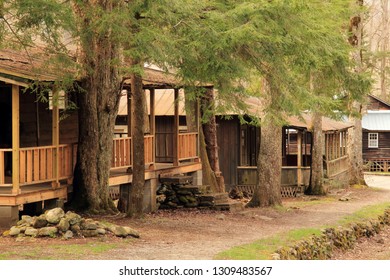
<point x="201" y="234"/>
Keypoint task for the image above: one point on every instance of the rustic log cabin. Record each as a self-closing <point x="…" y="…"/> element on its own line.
<point x="38" y="146"/>
<point x="376" y="135"/>
<point x="239" y="144"/>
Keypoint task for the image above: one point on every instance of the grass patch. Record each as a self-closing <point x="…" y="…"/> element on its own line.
<point x="74" y="251"/>
<point x="264" y="248"/>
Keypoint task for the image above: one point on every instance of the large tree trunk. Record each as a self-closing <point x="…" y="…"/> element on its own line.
<point x="136" y="193"/>
<point x="316" y="186"/>
<point x="98" y="103"/>
<point x="269" y="164"/>
<point x="210" y="137"/>
<point x="208" y="176"/>
<point x="269" y="167"/>
<point x="354" y="141"/>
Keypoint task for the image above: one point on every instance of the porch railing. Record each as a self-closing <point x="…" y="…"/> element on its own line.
<point x="337" y="166"/>
<point x="36" y="164"/>
<point x="122" y="154"/>
<point x="188" y="145"/>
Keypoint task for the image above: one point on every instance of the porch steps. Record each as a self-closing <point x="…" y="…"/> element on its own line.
<point x="220" y="202"/>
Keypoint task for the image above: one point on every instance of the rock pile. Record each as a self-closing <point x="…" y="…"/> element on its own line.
<point x="172" y="196"/>
<point x="57" y="223"/>
<point x="321" y="247"/>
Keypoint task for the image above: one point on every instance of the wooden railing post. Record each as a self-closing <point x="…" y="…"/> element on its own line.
<point x="299" y="158"/>
<point x="153" y="126"/>
<point x="176" y="130"/>
<point x="15" y="140"/>
<point x="55" y="140"/>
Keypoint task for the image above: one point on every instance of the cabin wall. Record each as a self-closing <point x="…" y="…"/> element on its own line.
<point x="383" y="150"/>
<point x="36" y="123"/>
<point x="375" y="105"/>
<point x="228" y="142"/>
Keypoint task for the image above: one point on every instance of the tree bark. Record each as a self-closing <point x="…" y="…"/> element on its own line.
<point x="354" y="140"/>
<point x="210" y="137"/>
<point x="98" y="103"/>
<point x="269" y="167"/>
<point x="316" y="186"/>
<point x="269" y="164"/>
<point x="136" y="193"/>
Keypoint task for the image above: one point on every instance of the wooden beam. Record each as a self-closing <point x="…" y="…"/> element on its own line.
<point x="299" y="158"/>
<point x="153" y="122"/>
<point x="15" y="139"/>
<point x="56" y="140"/>
<point x="176" y="129"/>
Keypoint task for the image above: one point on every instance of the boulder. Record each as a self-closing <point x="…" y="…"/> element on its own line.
<point x="89" y="233"/>
<point x="131" y="232"/>
<point x="73" y="218"/>
<point x="68" y="234"/>
<point x="30" y="231"/>
<point x="63" y="225"/>
<point x="14" y="231"/>
<point x="54" y="216"/>
<point x="39" y="222"/>
<point x="88" y="224"/>
<point x="47" y="231"/>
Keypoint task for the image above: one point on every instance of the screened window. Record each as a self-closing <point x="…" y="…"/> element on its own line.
<point x="373" y="140"/>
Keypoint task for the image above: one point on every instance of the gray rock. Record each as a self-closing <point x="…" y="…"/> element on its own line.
<point x="131" y="232"/>
<point x="63" y="225"/>
<point x="54" y="216"/>
<point x="88" y="224"/>
<point x="75" y="229"/>
<point x="119" y="231"/>
<point x="73" y="218"/>
<point x="101" y="231"/>
<point x="14" y="231"/>
<point x="25" y="220"/>
<point x="39" y="222"/>
<point x="47" y="231"/>
<point x="68" y="234"/>
<point x="89" y="233"/>
<point x="31" y="231"/>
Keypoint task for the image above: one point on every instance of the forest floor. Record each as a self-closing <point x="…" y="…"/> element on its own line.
<point x="201" y="234"/>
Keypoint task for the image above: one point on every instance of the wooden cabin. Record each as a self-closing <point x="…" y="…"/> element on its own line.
<point x="239" y="144"/>
<point x="376" y="135"/>
<point x="38" y="147"/>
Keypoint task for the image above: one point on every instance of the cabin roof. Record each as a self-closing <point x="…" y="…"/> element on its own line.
<point x="21" y="67"/>
<point x="328" y="124"/>
<point x="376" y="121"/>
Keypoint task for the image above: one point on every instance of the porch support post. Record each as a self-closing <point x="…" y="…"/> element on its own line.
<point x="153" y="123"/>
<point x="15" y="139"/>
<point x="130" y="124"/>
<point x="176" y="130"/>
<point x="56" y="140"/>
<point x="299" y="158"/>
<point x="197" y="121"/>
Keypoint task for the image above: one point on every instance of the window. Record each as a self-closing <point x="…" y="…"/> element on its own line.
<point x="373" y="140"/>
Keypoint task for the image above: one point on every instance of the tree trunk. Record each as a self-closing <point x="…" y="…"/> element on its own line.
<point x="354" y="141"/>
<point x="269" y="167"/>
<point x="136" y="193"/>
<point x="98" y="103"/>
<point x="316" y="186"/>
<point x="269" y="164"/>
<point x="210" y="136"/>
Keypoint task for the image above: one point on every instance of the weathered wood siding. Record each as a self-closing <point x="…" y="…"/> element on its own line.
<point x="383" y="150"/>
<point x="36" y="123"/>
<point x="228" y="142"/>
<point x="374" y="104"/>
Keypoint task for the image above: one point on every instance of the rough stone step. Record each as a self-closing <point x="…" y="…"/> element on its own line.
<point x="215" y="197"/>
<point x="231" y="206"/>
<point x="179" y="180"/>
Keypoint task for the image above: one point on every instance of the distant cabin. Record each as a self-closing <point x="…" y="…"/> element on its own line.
<point x="376" y="135"/>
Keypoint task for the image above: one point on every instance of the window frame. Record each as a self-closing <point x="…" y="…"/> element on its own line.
<point x="373" y="143"/>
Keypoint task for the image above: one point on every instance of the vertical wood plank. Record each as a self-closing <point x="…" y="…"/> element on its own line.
<point x="2" y="176"/>
<point x="56" y="141"/>
<point x="15" y="139"/>
<point x="176" y="129"/>
<point x="22" y="171"/>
